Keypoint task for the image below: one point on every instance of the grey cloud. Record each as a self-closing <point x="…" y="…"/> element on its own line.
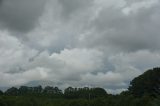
<point x="136" y="35"/>
<point x="78" y="41"/>
<point x="70" y="7"/>
<point x="20" y="15"/>
<point x="1" y="1"/>
<point x="113" y="28"/>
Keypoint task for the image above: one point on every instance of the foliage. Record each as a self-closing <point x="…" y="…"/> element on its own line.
<point x="146" y="84"/>
<point x="87" y="93"/>
<point x="112" y="100"/>
<point x="1" y="93"/>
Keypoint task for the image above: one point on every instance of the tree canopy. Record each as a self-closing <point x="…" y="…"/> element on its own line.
<point x="1" y="93"/>
<point x="146" y="84"/>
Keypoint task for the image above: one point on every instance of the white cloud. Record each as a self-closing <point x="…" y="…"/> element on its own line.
<point x="80" y="59"/>
<point x="69" y="64"/>
<point x="21" y="78"/>
<point x="13" y="53"/>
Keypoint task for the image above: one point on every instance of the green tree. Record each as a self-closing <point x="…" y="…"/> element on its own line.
<point x="98" y="92"/>
<point x="1" y="93"/>
<point x="146" y="84"/>
<point x="52" y="92"/>
<point x="23" y="90"/>
<point x="12" y="91"/>
<point x="37" y="89"/>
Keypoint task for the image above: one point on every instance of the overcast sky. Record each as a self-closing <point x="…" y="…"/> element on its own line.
<point x="103" y="43"/>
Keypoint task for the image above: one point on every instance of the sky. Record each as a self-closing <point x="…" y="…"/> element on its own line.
<point x="97" y="43"/>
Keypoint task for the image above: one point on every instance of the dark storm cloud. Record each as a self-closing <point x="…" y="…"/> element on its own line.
<point x="20" y="15"/>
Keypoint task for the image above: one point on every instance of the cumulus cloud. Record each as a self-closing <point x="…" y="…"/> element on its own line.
<point x="13" y="53"/>
<point x="113" y="28"/>
<point x="69" y="64"/>
<point x="102" y="43"/>
<point x="21" y="78"/>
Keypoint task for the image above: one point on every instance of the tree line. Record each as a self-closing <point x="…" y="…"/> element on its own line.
<point x="55" y="92"/>
<point x="143" y="90"/>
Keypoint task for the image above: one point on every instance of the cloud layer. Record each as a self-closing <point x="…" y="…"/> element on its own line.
<point x="102" y="43"/>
